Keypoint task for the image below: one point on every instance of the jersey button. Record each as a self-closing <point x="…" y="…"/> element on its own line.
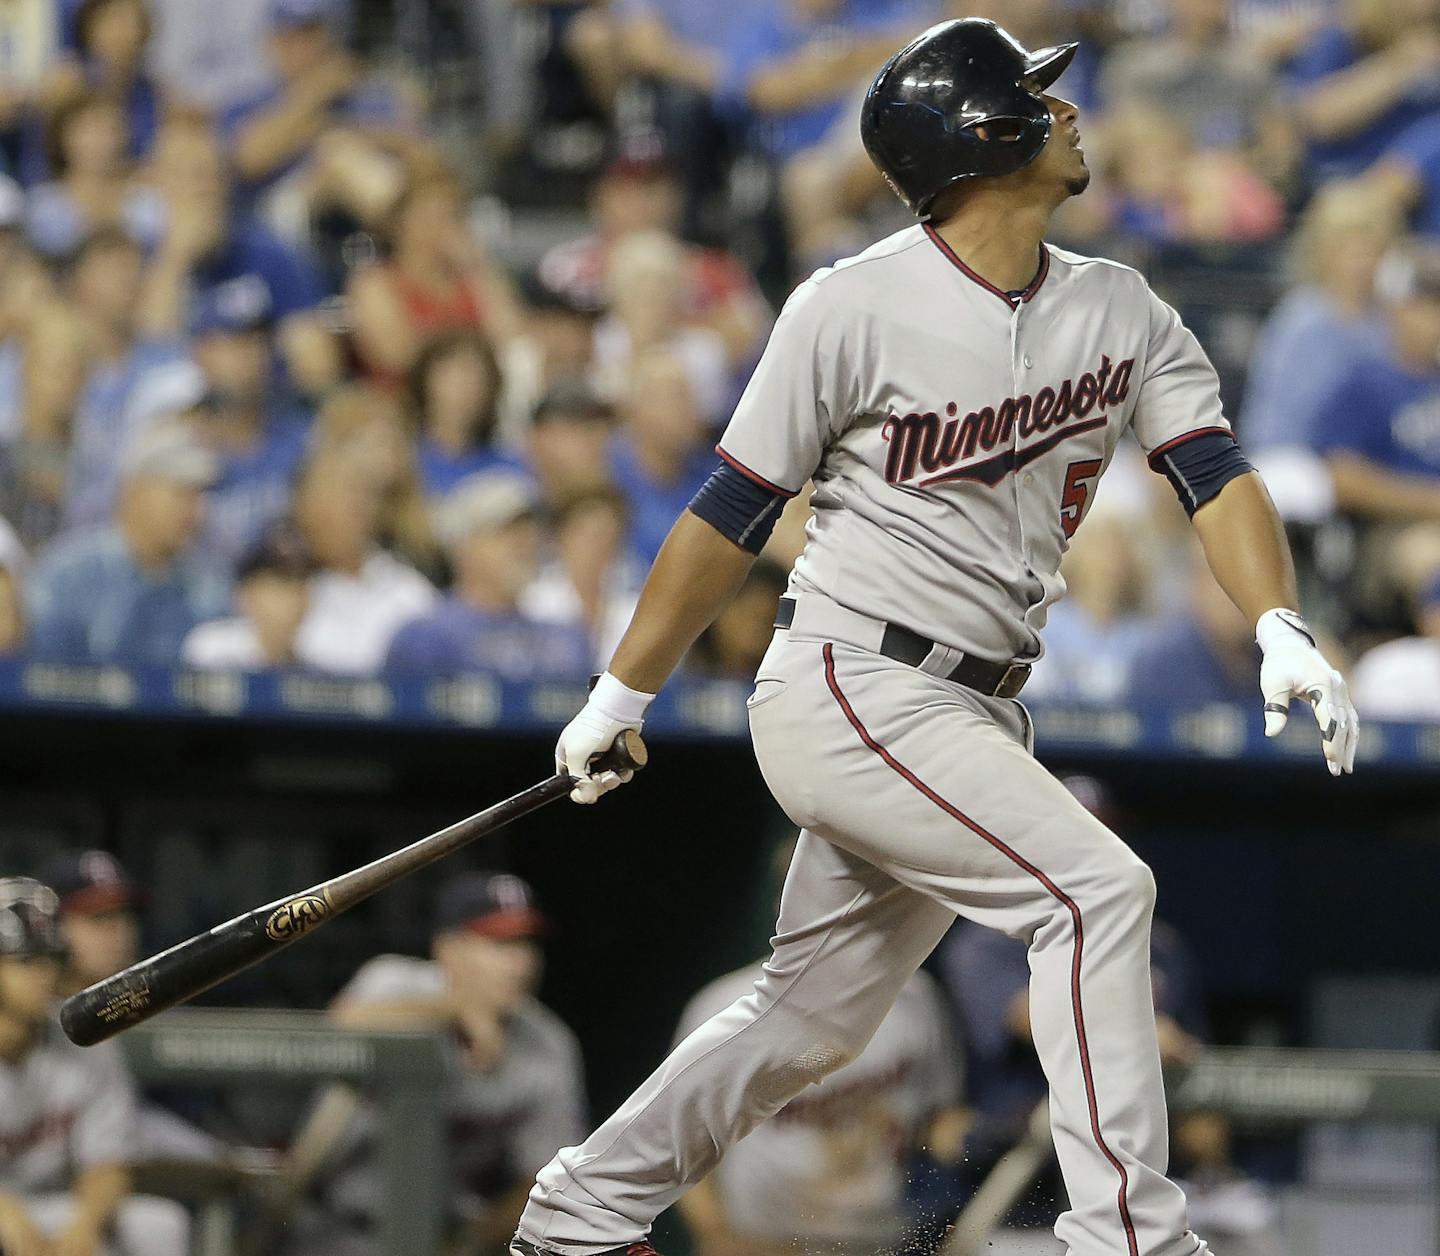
<point x="1029" y="361"/>
<point x="1028" y="478"/>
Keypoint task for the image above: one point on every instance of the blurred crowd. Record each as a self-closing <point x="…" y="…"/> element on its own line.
<point x="309" y="359"/>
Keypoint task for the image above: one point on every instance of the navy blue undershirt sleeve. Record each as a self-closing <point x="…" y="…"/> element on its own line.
<point x="738" y="508"/>
<point x="1199" y="465"/>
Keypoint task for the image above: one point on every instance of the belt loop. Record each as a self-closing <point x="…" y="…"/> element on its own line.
<point x="941" y="661"/>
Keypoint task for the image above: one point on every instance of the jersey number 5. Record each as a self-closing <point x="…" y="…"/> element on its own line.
<point x="1076" y="494"/>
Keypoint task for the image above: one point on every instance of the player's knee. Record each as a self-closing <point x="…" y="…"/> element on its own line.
<point x="1135" y="886"/>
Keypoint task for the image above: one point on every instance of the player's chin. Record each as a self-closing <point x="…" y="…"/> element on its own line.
<point x="1079" y="180"/>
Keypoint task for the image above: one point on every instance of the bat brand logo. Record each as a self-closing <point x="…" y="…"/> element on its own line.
<point x="295" y="916"/>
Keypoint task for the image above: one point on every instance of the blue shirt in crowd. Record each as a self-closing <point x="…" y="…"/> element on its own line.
<point x="654" y="506"/>
<point x="1334" y="49"/>
<point x="456" y="637"/>
<point x="254" y="488"/>
<point x="87" y="601"/>
<point x="1302" y="353"/>
<point x="1174" y="662"/>
<point x="290" y="274"/>
<point x="1419" y="148"/>
<point x="699" y="25"/>
<point x="1387" y="413"/>
<point x="441" y="471"/>
<point x="779" y="30"/>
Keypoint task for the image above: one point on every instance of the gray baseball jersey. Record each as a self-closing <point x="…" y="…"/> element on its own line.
<point x="955" y="435"/>
<point x="63" y="1109"/>
<point x="831" y="1164"/>
<point x="503" y="1124"/>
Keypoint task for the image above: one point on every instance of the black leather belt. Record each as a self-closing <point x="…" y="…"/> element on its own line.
<point x="995" y="680"/>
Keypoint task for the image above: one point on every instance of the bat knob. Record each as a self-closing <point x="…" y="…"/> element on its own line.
<point x="627" y="754"/>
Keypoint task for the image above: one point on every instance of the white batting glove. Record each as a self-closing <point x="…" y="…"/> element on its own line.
<point x="613" y="707"/>
<point x="1293" y="667"/>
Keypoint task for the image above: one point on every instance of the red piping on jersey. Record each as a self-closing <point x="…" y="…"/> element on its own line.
<point x="1180" y="440"/>
<point x="955" y="261"/>
<point x="1069" y="903"/>
<point x="758" y="479"/>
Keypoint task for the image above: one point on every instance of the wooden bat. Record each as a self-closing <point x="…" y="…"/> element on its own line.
<point x="1003" y="1188"/>
<point x="193" y="966"/>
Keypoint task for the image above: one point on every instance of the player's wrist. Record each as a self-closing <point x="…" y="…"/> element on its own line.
<point x="1280" y="624"/>
<point x="614" y="699"/>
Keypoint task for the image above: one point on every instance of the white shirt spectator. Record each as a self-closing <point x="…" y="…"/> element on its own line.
<point x="553" y="599"/>
<point x="700" y="351"/>
<point x="1399" y="680"/>
<point x="352" y="618"/>
<point x="211" y="55"/>
<point x="223" y="645"/>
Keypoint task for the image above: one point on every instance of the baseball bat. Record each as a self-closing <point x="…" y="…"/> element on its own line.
<point x="195" y="965"/>
<point x="1003" y="1188"/>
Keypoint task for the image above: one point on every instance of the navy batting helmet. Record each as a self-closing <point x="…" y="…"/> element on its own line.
<point x="29" y="920"/>
<point x="923" y="114"/>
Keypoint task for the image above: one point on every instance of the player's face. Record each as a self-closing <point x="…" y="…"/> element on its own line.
<point x="101" y="943"/>
<point x="28" y="987"/>
<point x="1062" y="161"/>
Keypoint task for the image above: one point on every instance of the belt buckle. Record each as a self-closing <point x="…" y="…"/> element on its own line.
<point x="1012" y="680"/>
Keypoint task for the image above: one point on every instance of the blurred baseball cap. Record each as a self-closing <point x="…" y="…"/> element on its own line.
<point x="640" y="157"/>
<point x="12" y="204"/>
<point x="238" y="305"/>
<point x="169" y="450"/>
<point x="280" y="552"/>
<point x="91" y="881"/>
<point x="572" y="399"/>
<point x="484" y="502"/>
<point x="492" y="904"/>
<point x="307" y="12"/>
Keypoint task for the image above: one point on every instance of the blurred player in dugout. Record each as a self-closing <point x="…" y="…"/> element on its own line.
<point x="516" y="1089"/>
<point x="67" y="1114"/>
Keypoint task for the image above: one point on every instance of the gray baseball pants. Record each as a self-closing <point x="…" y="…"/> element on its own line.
<point x="918" y="800"/>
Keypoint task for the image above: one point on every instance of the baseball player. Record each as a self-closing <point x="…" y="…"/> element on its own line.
<point x="67" y="1114"/>
<point x="955" y="393"/>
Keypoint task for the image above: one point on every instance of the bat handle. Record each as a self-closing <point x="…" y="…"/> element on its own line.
<point x="627" y="754"/>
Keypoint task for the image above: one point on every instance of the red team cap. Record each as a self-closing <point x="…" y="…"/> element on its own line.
<point x="493" y="904"/>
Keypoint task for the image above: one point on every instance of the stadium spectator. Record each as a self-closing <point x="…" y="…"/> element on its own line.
<point x="1378" y="428"/>
<point x="638" y="193"/>
<point x="129" y="377"/>
<point x="211" y="57"/>
<point x="46" y="369"/>
<point x="437" y="278"/>
<point x="361" y="592"/>
<point x="829" y="1172"/>
<point x="258" y="439"/>
<point x="646" y="281"/>
<point x="12" y="583"/>
<point x="322" y="133"/>
<point x="591" y="581"/>
<point x="454" y="396"/>
<point x="1326" y="324"/>
<point x="569" y="438"/>
<point x="788" y="72"/>
<point x="515" y="1090"/>
<point x="130" y="591"/>
<point x="1203" y="652"/>
<point x="90" y="187"/>
<point x="29" y="42"/>
<point x="370" y="430"/>
<point x="492" y="537"/>
<point x="1400" y="679"/>
<point x="1199" y="73"/>
<point x="111" y="38"/>
<point x="206" y="244"/>
<point x="1363" y="79"/>
<point x="734" y="644"/>
<point x="661" y="455"/>
<point x="67" y="1114"/>
<point x="555" y="345"/>
<point x="272" y="596"/>
<point x="1165" y="190"/>
<point x="98" y="921"/>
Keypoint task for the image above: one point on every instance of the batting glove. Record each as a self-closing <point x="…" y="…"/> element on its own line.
<point x="1293" y="667"/>
<point x="613" y="707"/>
